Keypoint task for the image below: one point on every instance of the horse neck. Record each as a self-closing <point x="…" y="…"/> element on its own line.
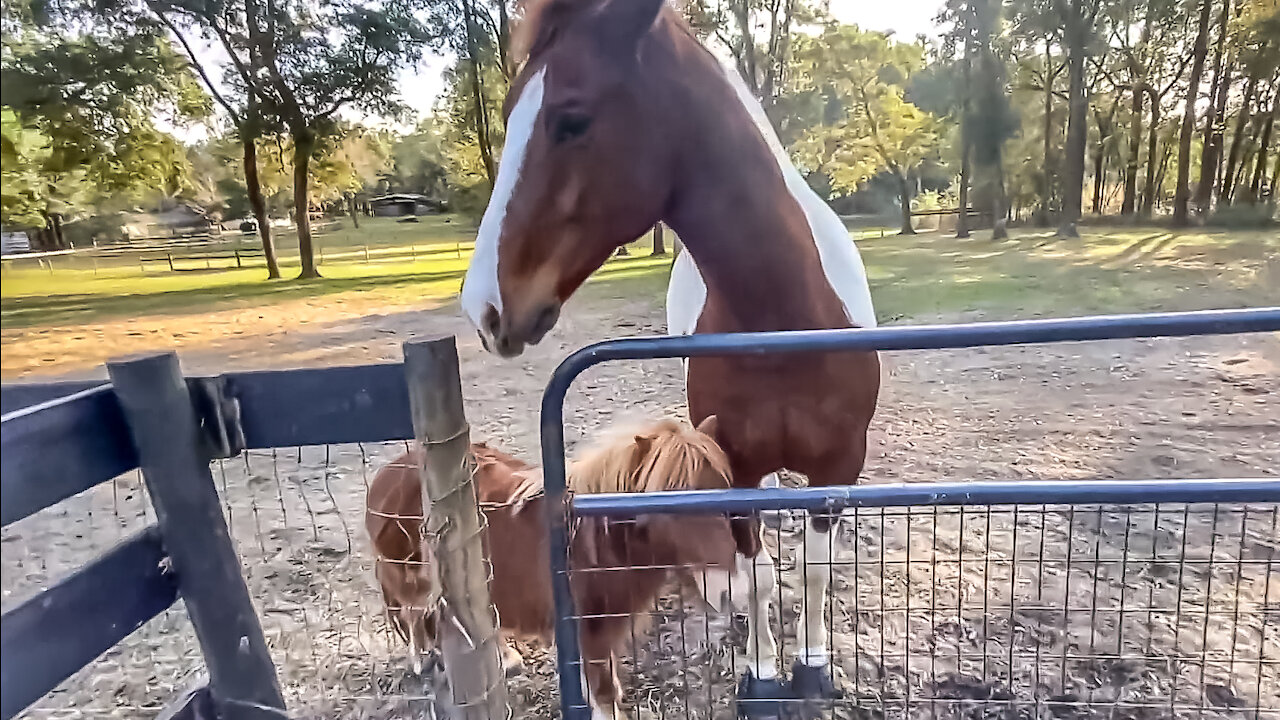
<point x="734" y="213"/>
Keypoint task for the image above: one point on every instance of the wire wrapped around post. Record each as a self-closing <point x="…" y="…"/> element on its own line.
<point x="469" y="641"/>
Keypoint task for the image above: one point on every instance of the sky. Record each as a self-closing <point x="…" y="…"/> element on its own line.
<point x="907" y="18"/>
<point x="421" y="85"/>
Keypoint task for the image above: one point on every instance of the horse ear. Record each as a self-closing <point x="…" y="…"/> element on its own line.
<point x="624" y="22"/>
<point x="708" y="426"/>
<point x="644" y="443"/>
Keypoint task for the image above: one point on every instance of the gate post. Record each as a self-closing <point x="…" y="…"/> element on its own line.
<point x="165" y="430"/>
<point x="468" y="627"/>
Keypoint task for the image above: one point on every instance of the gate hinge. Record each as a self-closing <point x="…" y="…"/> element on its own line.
<point x="218" y="411"/>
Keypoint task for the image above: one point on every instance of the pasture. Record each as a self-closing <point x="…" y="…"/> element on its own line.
<point x="1138" y="409"/>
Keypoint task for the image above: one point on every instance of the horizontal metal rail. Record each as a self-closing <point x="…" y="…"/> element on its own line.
<point x="920" y="337"/>
<point x="1022" y="492"/>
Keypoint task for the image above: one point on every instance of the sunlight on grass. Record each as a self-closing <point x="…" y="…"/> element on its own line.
<point x="923" y="276"/>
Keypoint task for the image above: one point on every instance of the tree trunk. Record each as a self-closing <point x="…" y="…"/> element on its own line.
<point x="1260" y="167"/>
<point x="1275" y="181"/>
<point x="504" y="41"/>
<point x="742" y="14"/>
<point x="1237" y="139"/>
<point x="659" y="248"/>
<point x="253" y="188"/>
<point x="481" y="120"/>
<point x="1151" y="188"/>
<point x="302" y="147"/>
<point x="55" y="229"/>
<point x="1129" y="205"/>
<point x="999" y="211"/>
<point x="1162" y="168"/>
<point x="353" y="211"/>
<point x="1049" y="174"/>
<point x="1077" y="135"/>
<point x="1182" y="191"/>
<point x="904" y="196"/>
<point x="1099" y="175"/>
<point x="962" y="222"/>
<point x="1218" y="95"/>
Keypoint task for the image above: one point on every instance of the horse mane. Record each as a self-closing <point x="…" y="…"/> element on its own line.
<point x="665" y="455"/>
<point x="535" y="22"/>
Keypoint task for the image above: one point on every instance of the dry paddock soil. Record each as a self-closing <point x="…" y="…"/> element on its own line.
<point x="1031" y="612"/>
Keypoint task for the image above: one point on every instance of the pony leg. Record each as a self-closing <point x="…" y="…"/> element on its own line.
<point x="415" y="652"/>
<point x="601" y="686"/>
<point x="810" y="677"/>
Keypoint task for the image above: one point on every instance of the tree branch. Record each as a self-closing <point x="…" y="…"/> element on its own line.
<point x="195" y="62"/>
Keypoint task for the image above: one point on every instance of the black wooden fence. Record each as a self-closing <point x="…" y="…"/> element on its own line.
<point x="62" y="439"/>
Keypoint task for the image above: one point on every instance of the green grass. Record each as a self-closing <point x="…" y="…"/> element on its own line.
<point x="928" y="275"/>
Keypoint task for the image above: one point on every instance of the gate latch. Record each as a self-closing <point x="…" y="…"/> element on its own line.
<point x="218" y="412"/>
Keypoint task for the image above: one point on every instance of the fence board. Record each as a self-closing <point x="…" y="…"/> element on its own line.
<point x="59" y="631"/>
<point x="51" y="451"/>
<point x="287" y="408"/>
<point x="20" y="395"/>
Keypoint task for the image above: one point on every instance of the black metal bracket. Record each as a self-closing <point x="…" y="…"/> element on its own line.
<point x="218" y="414"/>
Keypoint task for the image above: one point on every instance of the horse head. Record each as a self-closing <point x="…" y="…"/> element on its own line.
<point x="586" y="165"/>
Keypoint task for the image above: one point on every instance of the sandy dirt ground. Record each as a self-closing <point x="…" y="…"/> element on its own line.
<point x="1027" y="613"/>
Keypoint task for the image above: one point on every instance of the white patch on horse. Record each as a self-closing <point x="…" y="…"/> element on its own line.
<point x="686" y="295"/>
<point x="480" y="288"/>
<point x="841" y="262"/>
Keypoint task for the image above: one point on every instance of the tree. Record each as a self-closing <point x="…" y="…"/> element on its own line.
<point x="758" y="34"/>
<point x="1078" y="32"/>
<point x="1182" y="194"/>
<point x="987" y="119"/>
<point x="301" y="63"/>
<point x="864" y="74"/>
<point x="417" y="162"/>
<point x="245" y="114"/>
<point x="82" y="112"/>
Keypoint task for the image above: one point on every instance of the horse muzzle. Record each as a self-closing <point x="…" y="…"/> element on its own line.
<point x="508" y="334"/>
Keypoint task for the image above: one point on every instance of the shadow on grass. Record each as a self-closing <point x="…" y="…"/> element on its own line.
<point x="919" y="277"/>
<point x="80" y="308"/>
<point x="1029" y="276"/>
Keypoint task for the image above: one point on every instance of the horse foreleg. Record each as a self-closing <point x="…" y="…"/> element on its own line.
<point x="752" y="587"/>
<point x="810" y="677"/>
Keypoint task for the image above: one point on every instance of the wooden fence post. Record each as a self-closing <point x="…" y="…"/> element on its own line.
<point x="469" y="640"/>
<point x="175" y="466"/>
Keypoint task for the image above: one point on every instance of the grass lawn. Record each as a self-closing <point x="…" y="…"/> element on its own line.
<point x="931" y="274"/>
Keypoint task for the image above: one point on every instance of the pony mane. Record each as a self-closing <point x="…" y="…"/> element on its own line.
<point x="665" y="455"/>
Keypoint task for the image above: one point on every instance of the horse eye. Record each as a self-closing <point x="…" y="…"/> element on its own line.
<point x="570" y="126"/>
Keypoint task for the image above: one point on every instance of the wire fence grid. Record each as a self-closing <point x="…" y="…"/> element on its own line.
<point x="1069" y="612"/>
<point x="1134" y="612"/>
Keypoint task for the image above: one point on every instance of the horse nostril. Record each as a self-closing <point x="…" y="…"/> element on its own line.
<point x="492" y="321"/>
<point x="544" y="321"/>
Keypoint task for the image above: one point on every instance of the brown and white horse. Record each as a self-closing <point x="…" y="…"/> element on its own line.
<point x="619" y="568"/>
<point x="619" y="118"/>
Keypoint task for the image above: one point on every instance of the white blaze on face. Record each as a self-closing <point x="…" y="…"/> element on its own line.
<point x="480" y="288"/>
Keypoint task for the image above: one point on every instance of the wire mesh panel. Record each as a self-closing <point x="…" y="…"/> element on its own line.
<point x="297" y="518"/>
<point x="137" y="677"/>
<point x="1147" y="611"/>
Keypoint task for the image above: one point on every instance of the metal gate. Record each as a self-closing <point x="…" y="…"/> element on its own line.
<point x="1165" y="604"/>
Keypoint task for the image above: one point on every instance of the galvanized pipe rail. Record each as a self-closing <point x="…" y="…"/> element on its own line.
<point x="921" y="337"/>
